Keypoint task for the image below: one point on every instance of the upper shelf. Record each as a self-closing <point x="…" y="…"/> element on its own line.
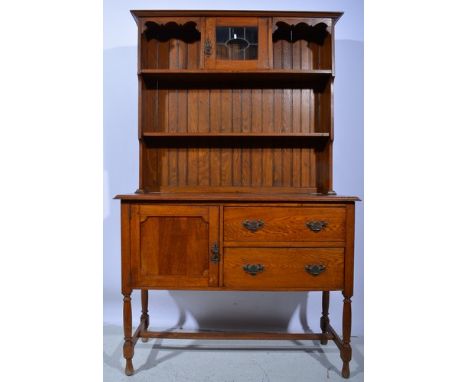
<point x="170" y="73"/>
<point x="267" y="77"/>
<point x="239" y="134"/>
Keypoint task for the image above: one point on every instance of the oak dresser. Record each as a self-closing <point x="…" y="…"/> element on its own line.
<point x="236" y="137"/>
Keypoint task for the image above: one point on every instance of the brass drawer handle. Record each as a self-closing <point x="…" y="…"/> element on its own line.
<point x="253" y="225"/>
<point x="316" y="225"/>
<point x="253" y="269"/>
<point x="315" y="269"/>
<point x="215" y="253"/>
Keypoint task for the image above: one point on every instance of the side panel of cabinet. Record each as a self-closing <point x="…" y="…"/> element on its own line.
<point x="171" y="246"/>
<point x="218" y="56"/>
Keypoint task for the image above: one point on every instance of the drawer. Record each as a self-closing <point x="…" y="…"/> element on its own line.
<point x="270" y="268"/>
<point x="282" y="224"/>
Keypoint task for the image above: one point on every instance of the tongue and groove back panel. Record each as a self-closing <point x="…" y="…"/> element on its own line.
<point x="230" y="161"/>
<point x="235" y="110"/>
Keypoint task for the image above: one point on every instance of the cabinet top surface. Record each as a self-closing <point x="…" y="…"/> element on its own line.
<point x="235" y="197"/>
<point x="234" y="13"/>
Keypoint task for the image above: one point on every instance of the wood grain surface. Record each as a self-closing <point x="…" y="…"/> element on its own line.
<point x="171" y="246"/>
<point x="236" y="168"/>
<point x="250" y="109"/>
<point x="284" y="224"/>
<point x="284" y="267"/>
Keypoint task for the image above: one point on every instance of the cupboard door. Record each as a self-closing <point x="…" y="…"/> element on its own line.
<point x="174" y="246"/>
<point x="237" y="43"/>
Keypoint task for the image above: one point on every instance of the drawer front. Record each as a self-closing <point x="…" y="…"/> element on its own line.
<point x="270" y="268"/>
<point x="280" y="224"/>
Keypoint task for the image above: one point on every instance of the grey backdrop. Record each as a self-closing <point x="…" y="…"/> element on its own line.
<point x="281" y="311"/>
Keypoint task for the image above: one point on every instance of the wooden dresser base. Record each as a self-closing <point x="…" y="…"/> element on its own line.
<point x="328" y="333"/>
<point x="292" y="243"/>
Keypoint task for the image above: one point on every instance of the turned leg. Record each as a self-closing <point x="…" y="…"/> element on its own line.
<point x="128" y="344"/>
<point x="345" y="351"/>
<point x="324" y="320"/>
<point x="144" y="311"/>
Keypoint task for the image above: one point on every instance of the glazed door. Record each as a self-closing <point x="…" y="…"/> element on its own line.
<point x="174" y="246"/>
<point x="238" y="43"/>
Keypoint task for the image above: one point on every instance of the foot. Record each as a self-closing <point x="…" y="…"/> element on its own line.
<point x="129" y="367"/>
<point x="345" y="370"/>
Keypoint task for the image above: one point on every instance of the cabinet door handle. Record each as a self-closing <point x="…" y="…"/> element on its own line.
<point x="253" y="269"/>
<point x="316" y="225"/>
<point x="208" y="47"/>
<point x="315" y="269"/>
<point x="215" y="253"/>
<point x="253" y="225"/>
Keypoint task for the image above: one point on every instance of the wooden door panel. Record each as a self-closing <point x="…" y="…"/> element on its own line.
<point x="172" y="244"/>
